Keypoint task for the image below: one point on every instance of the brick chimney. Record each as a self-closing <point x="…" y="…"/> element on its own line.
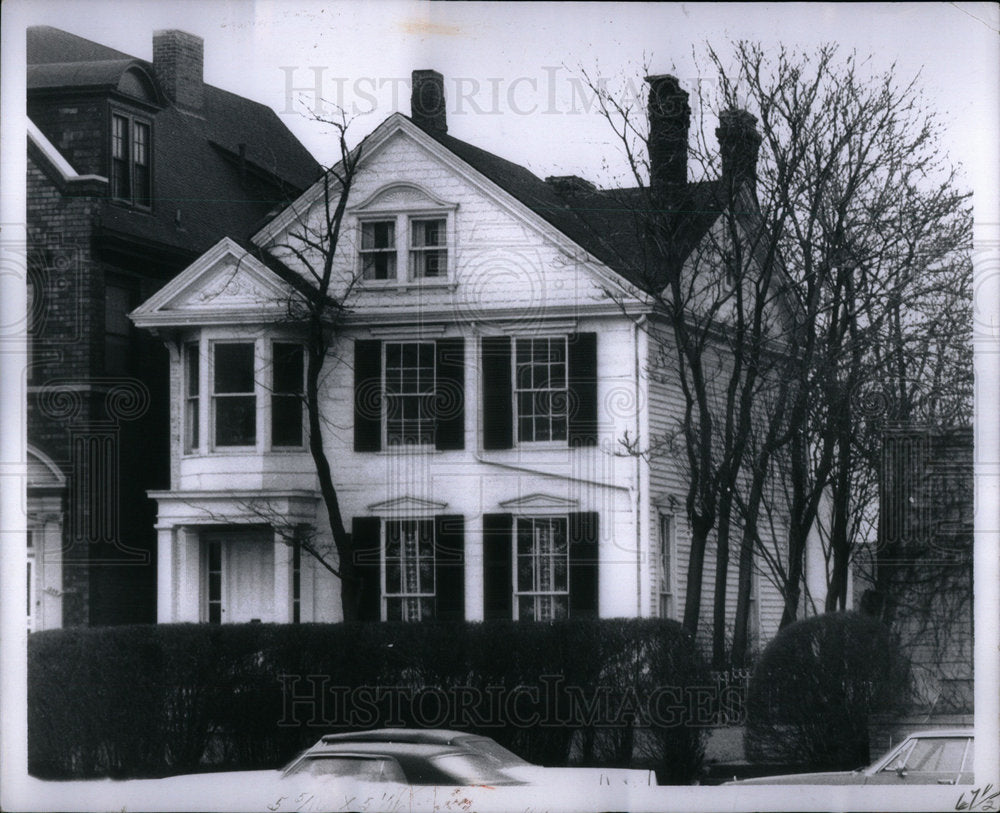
<point x="669" y="121"/>
<point x="178" y="60"/>
<point x="739" y="145"/>
<point x="427" y="103"/>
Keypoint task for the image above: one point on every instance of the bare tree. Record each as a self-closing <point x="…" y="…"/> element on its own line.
<point x="304" y="256"/>
<point x="786" y="290"/>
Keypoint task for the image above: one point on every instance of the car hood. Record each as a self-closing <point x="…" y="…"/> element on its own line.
<point x="825" y="778"/>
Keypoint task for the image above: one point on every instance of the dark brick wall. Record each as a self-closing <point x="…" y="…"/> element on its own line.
<point x="76" y="127"/>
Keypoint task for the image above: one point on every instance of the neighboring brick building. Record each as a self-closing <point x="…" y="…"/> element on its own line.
<point x="134" y="169"/>
<point x="923" y="564"/>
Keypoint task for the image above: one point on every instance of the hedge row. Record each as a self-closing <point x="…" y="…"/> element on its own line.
<point x="151" y="700"/>
<point x="816" y="688"/>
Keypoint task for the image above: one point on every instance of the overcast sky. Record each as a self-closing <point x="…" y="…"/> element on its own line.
<point x="513" y="70"/>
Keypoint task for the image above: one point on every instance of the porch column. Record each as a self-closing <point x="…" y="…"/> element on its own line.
<point x="189" y="576"/>
<point x="282" y="579"/>
<point x="166" y="577"/>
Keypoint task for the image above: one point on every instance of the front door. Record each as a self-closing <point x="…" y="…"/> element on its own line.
<point x="239" y="567"/>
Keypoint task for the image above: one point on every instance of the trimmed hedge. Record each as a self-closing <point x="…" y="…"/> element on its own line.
<point x="815" y="688"/>
<point x="152" y="700"/>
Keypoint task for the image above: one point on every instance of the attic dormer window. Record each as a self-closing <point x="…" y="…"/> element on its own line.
<point x="406" y="235"/>
<point x="131" y="160"/>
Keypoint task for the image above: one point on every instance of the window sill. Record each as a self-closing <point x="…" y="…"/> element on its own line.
<point x="232" y="451"/>
<point x="432" y="284"/>
<point x="395" y="451"/>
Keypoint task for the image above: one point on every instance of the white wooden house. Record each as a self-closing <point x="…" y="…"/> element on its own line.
<point x="492" y="360"/>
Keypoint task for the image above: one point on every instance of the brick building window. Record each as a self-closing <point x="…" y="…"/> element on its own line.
<point x="131" y="160"/>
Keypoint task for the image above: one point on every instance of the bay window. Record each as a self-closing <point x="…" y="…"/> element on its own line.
<point x="234" y="398"/>
<point x="287" y="365"/>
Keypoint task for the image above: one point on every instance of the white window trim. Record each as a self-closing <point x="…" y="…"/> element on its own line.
<point x="186" y="424"/>
<point x="394" y="448"/>
<point x="262" y="426"/>
<point x="383" y="570"/>
<point x="518" y="593"/>
<point x="671" y="544"/>
<point x="536" y="444"/>
<point x="403" y="218"/>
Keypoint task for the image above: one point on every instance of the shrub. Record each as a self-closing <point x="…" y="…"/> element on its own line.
<point x="816" y="685"/>
<point x="148" y="700"/>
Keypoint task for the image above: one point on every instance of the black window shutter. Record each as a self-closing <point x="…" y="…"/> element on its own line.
<point x="449" y="567"/>
<point x="582" y="368"/>
<point x="583" y="565"/>
<point x="449" y="394"/>
<point x="498" y="590"/>
<point x="498" y="403"/>
<point x="367" y="396"/>
<point x="367" y="539"/>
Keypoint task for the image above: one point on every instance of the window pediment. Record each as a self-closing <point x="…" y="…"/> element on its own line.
<point x="401" y="197"/>
<point x="540" y="502"/>
<point x="407" y="505"/>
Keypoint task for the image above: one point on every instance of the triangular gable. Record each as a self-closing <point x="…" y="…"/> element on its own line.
<point x="400" y="124"/>
<point x="407" y="505"/>
<point x="540" y="502"/>
<point x="225" y="283"/>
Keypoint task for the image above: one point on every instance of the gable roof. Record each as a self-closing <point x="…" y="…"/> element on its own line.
<point x="196" y="161"/>
<point x="605" y="222"/>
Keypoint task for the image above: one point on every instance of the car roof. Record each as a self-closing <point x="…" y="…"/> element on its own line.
<point x="942" y="732"/>
<point x="422" y="749"/>
<point x="441" y="736"/>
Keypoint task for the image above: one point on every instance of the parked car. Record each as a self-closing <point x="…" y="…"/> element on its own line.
<point x="941" y="757"/>
<point x="490" y="750"/>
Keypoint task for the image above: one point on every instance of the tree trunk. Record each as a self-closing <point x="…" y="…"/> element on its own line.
<point x="721" y="581"/>
<point x="696" y="564"/>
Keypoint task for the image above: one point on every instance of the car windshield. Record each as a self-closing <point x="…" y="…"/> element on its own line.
<point x="471" y="769"/>
<point x="363" y="768"/>
<point x="494" y="751"/>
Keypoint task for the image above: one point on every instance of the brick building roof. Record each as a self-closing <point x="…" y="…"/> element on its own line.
<point x="192" y="152"/>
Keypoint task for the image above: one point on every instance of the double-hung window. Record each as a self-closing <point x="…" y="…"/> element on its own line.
<point x="409" y="393"/>
<point x="541" y="389"/>
<point x="540" y="567"/>
<point x="192" y="396"/>
<point x="542" y="570"/>
<point x="665" y="576"/>
<point x="131" y="160"/>
<point x="234" y="395"/>
<point x="409" y="570"/>
<point x="405" y="236"/>
<point x="378" y="250"/>
<point x="428" y="248"/>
